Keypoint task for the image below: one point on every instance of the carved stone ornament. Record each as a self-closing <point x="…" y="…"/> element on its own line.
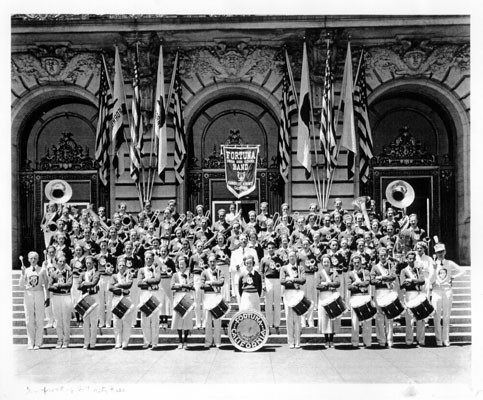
<point x="405" y="150"/>
<point x="194" y="182"/>
<point x="231" y="61"/>
<point x="418" y="58"/>
<point x="55" y="64"/>
<point x="68" y="155"/>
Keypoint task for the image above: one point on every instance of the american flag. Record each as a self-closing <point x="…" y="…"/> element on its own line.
<point x="176" y="110"/>
<point x="363" y="127"/>
<point x="137" y="121"/>
<point x="327" y="127"/>
<point x="288" y="108"/>
<point x="103" y="124"/>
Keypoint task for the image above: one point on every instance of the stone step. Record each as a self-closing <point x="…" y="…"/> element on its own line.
<point x="399" y="338"/>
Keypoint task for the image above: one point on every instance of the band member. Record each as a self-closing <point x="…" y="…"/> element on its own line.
<point x="382" y="277"/>
<point x="133" y="263"/>
<point x="412" y="281"/>
<point x="105" y="262"/>
<point x="197" y="264"/>
<point x="148" y="281"/>
<point x="358" y="285"/>
<point x="61" y="247"/>
<point x="250" y="286"/>
<point x="221" y="225"/>
<point x="167" y="268"/>
<point x="182" y="283"/>
<point x="308" y="262"/>
<point x="270" y="271"/>
<point x="60" y="283"/>
<point x="77" y="266"/>
<point x="232" y="214"/>
<point x="427" y="265"/>
<point x="291" y="277"/>
<point x="445" y="271"/>
<point x="34" y="282"/>
<point x="49" y="266"/>
<point x="89" y="284"/>
<point x="223" y="254"/>
<point x="119" y="285"/>
<point x="211" y="282"/>
<point x="236" y="263"/>
<point x="326" y="282"/>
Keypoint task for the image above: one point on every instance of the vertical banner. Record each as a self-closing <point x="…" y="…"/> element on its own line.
<point x="240" y="169"/>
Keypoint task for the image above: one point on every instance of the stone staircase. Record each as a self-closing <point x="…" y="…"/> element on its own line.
<point x="460" y="324"/>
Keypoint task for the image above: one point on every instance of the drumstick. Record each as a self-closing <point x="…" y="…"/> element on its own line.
<point x="21" y="260"/>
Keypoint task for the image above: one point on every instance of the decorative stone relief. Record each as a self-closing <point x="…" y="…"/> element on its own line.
<point x="55" y="64"/>
<point x="418" y="58"/>
<point x="231" y="61"/>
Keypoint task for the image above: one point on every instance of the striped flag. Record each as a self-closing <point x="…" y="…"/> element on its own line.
<point x="103" y="123"/>
<point x="287" y="109"/>
<point x="119" y="117"/>
<point x="160" y="128"/>
<point x="137" y="119"/>
<point x="348" y="139"/>
<point x="327" y="127"/>
<point x="176" y="110"/>
<point x="362" y="122"/>
<point x="305" y="111"/>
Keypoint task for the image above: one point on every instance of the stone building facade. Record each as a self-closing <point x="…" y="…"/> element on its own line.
<point x="231" y="67"/>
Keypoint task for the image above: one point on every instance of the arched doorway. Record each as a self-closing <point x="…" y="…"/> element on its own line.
<point x="414" y="140"/>
<point x="55" y="140"/>
<point x="217" y="122"/>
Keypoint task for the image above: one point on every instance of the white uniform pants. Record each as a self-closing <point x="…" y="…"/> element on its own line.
<point x="75" y="293"/>
<point x="273" y="298"/>
<point x="225" y="289"/>
<point x="122" y="327"/>
<point x="134" y="292"/>
<point x="165" y="296"/>
<point x="366" y="330"/>
<point x="213" y="326"/>
<point x="235" y="278"/>
<point x="420" y="326"/>
<point x="149" y="325"/>
<point x="105" y="300"/>
<point x="326" y="325"/>
<point x="90" y="324"/>
<point x="250" y="301"/>
<point x="294" y="327"/>
<point x="442" y="301"/>
<point x="384" y="326"/>
<point x="311" y="294"/>
<point x="34" y="316"/>
<point x="62" y="308"/>
<point x="198" y="299"/>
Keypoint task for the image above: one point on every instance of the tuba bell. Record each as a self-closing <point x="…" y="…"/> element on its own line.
<point x="400" y="194"/>
<point x="58" y="191"/>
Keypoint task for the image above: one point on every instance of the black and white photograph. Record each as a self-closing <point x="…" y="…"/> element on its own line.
<point x="235" y="197"/>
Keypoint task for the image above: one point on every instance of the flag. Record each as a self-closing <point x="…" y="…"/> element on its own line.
<point x="103" y="123"/>
<point x="137" y="121"/>
<point x="362" y="122"/>
<point x="160" y="128"/>
<point x="327" y="127"/>
<point x="305" y="110"/>
<point x="348" y="139"/>
<point x="119" y="117"/>
<point x="287" y="108"/>
<point x="176" y="110"/>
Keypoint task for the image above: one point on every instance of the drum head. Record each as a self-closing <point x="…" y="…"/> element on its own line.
<point x="419" y="299"/>
<point x="333" y="297"/>
<point x="357" y="301"/>
<point x="386" y="299"/>
<point x="212" y="300"/>
<point x="293" y="297"/>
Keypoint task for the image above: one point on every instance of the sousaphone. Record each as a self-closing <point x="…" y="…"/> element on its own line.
<point x="400" y="194"/>
<point x="58" y="191"/>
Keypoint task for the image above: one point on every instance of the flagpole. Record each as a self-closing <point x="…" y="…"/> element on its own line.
<point x="329" y="186"/>
<point x="296" y="100"/>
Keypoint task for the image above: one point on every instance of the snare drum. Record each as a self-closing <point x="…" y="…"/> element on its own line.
<point x="296" y="299"/>
<point x="390" y="305"/>
<point x="184" y="304"/>
<point x="334" y="305"/>
<point x="150" y="305"/>
<point x="420" y="307"/>
<point x="363" y="306"/>
<point x="85" y="305"/>
<point x="123" y="307"/>
<point x="216" y="305"/>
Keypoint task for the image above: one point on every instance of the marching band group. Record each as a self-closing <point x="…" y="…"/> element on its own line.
<point x="164" y="264"/>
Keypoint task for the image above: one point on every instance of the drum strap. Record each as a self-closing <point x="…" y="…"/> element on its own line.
<point x="356" y="276"/>
<point x="326" y="275"/>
